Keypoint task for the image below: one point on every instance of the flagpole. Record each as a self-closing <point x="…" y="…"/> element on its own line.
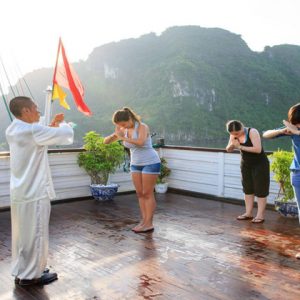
<point x="48" y="106"/>
<point x="49" y="91"/>
<point x="55" y="68"/>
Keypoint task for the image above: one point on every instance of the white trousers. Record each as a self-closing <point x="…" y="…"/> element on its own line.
<point x="30" y="238"/>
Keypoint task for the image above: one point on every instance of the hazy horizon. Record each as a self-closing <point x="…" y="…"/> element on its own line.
<point x="31" y="29"/>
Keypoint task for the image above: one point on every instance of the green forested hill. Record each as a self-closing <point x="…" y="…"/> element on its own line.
<point x="186" y="83"/>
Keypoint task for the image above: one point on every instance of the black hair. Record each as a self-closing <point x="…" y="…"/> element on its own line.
<point x="18" y="103"/>
<point x="234" y="125"/>
<point x="294" y="114"/>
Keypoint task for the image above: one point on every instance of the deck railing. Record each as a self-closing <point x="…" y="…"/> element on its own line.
<point x="200" y="170"/>
<point x="208" y="171"/>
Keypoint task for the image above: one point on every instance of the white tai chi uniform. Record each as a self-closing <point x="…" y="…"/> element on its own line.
<point x="31" y="189"/>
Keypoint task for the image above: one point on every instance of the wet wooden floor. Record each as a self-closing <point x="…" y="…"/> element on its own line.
<point x="197" y="251"/>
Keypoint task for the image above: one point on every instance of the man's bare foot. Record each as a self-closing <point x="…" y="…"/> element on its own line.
<point x="297" y="255"/>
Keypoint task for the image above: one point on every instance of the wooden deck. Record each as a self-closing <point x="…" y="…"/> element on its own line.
<point x="197" y="251"/>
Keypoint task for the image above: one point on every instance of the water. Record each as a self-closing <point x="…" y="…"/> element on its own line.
<point x="275" y="144"/>
<point x="268" y="144"/>
<point x="284" y="143"/>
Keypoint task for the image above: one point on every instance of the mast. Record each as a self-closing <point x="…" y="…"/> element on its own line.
<point x="48" y="106"/>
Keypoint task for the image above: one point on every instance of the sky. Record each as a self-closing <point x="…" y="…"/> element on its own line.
<point x="29" y="30"/>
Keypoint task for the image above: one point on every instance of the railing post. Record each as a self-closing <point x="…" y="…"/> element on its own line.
<point x="160" y="152"/>
<point x="221" y="174"/>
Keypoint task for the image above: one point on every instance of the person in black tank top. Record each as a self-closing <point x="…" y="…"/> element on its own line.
<point x="255" y="168"/>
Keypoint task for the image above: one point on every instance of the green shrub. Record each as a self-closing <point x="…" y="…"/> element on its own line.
<point x="280" y="166"/>
<point x="164" y="171"/>
<point x="99" y="159"/>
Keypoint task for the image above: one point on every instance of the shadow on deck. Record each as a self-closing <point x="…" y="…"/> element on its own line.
<point x="197" y="251"/>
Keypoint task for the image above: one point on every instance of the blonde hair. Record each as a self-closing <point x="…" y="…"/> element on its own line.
<point x="125" y="114"/>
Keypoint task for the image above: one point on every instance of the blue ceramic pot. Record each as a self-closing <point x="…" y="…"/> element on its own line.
<point x="104" y="192"/>
<point x="287" y="209"/>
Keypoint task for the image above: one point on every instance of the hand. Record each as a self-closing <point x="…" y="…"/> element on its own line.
<point x="290" y="127"/>
<point x="285" y="131"/>
<point x="119" y="132"/>
<point x="235" y="143"/>
<point x="230" y="148"/>
<point x="58" y="118"/>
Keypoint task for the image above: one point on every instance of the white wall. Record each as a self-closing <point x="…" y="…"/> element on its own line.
<point x="69" y="180"/>
<point x="4" y="181"/>
<point x="214" y="173"/>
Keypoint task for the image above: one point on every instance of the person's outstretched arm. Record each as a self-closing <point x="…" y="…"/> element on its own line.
<point x="272" y="133"/>
<point x="58" y="133"/>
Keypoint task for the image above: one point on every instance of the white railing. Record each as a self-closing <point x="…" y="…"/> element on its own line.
<point x="69" y="180"/>
<point x="205" y="171"/>
<point x="210" y="171"/>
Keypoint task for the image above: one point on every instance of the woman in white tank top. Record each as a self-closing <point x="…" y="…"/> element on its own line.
<point x="144" y="162"/>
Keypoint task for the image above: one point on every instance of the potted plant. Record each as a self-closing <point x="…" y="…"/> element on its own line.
<point x="99" y="160"/>
<point x="285" y="203"/>
<point x="161" y="185"/>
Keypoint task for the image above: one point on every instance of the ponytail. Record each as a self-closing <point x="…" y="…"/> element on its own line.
<point x="125" y="114"/>
<point x="234" y="125"/>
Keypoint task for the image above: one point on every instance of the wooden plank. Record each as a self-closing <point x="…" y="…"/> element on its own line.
<point x="198" y="251"/>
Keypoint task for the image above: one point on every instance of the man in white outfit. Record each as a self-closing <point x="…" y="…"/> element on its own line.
<point x="31" y="188"/>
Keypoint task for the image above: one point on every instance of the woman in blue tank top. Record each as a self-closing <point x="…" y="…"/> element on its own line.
<point x="144" y="162"/>
<point x="291" y="128"/>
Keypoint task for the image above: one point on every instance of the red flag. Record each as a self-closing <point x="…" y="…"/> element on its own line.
<point x="65" y="76"/>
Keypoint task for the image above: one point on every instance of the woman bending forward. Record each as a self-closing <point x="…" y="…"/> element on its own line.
<point x="144" y="162"/>
<point x="254" y="168"/>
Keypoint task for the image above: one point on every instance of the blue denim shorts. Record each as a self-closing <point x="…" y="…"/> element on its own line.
<point x="147" y="169"/>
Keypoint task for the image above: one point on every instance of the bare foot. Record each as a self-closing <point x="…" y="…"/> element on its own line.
<point x="138" y="226"/>
<point x="297" y="255"/>
<point x="144" y="229"/>
<point x="257" y="220"/>
<point x="244" y="217"/>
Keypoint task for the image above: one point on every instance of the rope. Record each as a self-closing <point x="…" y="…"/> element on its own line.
<point x="22" y="77"/>
<point x="19" y="83"/>
<point x="16" y="87"/>
<point x="7" y="77"/>
<point x="5" y="103"/>
<point x="21" y="86"/>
